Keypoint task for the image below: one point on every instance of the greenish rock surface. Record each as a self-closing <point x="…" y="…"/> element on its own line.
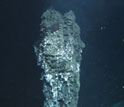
<point x="58" y="53"/>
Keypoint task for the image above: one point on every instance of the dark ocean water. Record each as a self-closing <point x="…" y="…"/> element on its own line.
<point x="102" y="68"/>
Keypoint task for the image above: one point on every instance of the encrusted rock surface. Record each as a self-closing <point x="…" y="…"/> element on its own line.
<point x="58" y="53"/>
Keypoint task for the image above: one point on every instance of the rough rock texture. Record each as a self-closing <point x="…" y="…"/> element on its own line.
<point x="58" y="53"/>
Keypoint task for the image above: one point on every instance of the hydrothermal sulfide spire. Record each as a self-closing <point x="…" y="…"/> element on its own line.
<point x="58" y="53"/>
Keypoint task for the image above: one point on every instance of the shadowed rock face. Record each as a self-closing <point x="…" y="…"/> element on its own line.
<point x="58" y="53"/>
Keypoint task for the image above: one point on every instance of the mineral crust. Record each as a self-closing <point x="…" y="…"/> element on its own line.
<point x="58" y="52"/>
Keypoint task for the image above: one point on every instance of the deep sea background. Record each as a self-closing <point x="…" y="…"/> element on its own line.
<point x="102" y="67"/>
